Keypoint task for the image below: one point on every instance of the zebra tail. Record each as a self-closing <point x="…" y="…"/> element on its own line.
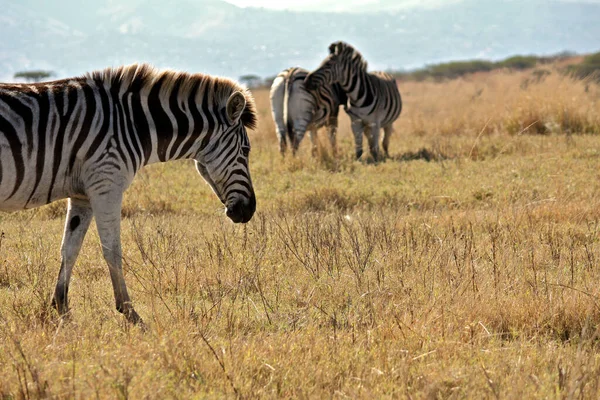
<point x="286" y="107"/>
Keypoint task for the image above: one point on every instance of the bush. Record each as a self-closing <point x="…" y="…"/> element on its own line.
<point x="588" y="69"/>
<point x="519" y="62"/>
<point x="456" y="69"/>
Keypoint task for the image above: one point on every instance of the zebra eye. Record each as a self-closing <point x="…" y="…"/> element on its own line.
<point x="245" y="150"/>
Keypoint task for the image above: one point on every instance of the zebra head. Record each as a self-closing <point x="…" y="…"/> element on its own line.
<point x="339" y="66"/>
<point x="223" y="161"/>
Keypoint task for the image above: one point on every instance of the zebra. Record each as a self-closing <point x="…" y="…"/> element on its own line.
<point x="86" y="137"/>
<point x="296" y="110"/>
<point x="373" y="97"/>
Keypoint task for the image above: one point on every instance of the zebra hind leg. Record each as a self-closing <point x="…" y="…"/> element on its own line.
<point x="107" y="211"/>
<point x="357" y="129"/>
<point x="387" y="133"/>
<point x="282" y="143"/>
<point x="374" y="141"/>
<point x="79" y="215"/>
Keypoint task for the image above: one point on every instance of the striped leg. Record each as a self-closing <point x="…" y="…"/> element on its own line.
<point x="387" y="133"/>
<point x="358" y="129"/>
<point x="374" y="140"/>
<point x="79" y="215"/>
<point x="282" y="141"/>
<point x="107" y="211"/>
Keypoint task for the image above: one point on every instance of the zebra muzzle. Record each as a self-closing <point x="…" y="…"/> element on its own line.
<point x="241" y="209"/>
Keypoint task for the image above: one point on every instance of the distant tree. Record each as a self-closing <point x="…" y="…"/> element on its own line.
<point x="34" y="76"/>
<point x="268" y="81"/>
<point x="251" y="80"/>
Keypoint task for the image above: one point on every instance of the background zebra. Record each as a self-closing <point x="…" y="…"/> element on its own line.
<point x="374" y="99"/>
<point x="296" y="110"/>
<point x="85" y="138"/>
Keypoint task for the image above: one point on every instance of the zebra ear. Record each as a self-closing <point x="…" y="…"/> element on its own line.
<point x="335" y="48"/>
<point x="235" y="107"/>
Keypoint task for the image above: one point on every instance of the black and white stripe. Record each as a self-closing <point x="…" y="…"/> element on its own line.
<point x="296" y="109"/>
<point x="85" y="138"/>
<point x="374" y="99"/>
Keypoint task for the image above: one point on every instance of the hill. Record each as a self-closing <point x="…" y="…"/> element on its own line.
<point x="213" y="36"/>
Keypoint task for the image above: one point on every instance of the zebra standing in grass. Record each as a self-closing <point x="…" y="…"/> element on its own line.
<point x="296" y="110"/>
<point x="374" y="99"/>
<point x="85" y="138"/>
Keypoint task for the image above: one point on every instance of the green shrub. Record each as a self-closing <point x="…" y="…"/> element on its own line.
<point x="519" y="62"/>
<point x="588" y="69"/>
<point x="457" y="69"/>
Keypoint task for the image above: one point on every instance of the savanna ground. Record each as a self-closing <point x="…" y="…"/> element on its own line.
<point x="467" y="265"/>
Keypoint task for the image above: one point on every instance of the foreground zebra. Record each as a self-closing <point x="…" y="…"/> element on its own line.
<point x="374" y="99"/>
<point x="85" y="138"/>
<point x="296" y="110"/>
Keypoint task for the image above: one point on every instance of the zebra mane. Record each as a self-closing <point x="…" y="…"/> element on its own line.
<point x="345" y="50"/>
<point x="137" y="77"/>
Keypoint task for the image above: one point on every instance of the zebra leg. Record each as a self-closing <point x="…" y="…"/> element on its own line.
<point x="107" y="211"/>
<point x="374" y="140"/>
<point x="332" y="127"/>
<point x="358" y="129"/>
<point x="387" y="133"/>
<point x="282" y="142"/>
<point x="79" y="215"/>
<point x="298" y="136"/>
<point x="313" y="140"/>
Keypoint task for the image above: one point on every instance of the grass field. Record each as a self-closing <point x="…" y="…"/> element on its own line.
<point x="467" y="265"/>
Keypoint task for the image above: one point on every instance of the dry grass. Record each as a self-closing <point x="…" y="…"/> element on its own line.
<point x="465" y="266"/>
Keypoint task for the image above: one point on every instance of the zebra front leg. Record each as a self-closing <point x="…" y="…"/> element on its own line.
<point x="79" y="215"/>
<point x="358" y="129"/>
<point x="374" y="140"/>
<point x="387" y="133"/>
<point x="107" y="211"/>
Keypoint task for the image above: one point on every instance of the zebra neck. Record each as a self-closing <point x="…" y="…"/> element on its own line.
<point x="358" y="88"/>
<point x="168" y="131"/>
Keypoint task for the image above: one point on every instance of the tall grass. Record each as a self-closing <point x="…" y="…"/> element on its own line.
<point x="465" y="266"/>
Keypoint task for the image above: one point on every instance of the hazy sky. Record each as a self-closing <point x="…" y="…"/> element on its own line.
<point x="282" y="4"/>
<point x="273" y="3"/>
<point x="329" y="5"/>
<point x="345" y="5"/>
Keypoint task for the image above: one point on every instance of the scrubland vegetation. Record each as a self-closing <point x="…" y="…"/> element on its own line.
<point x="466" y="265"/>
<point x="590" y="66"/>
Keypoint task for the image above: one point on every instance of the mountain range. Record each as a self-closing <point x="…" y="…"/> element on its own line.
<point x="70" y="37"/>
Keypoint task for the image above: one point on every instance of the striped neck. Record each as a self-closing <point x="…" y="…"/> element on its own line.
<point x="177" y="126"/>
<point x="357" y="85"/>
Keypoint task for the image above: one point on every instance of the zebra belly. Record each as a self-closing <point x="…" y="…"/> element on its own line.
<point x="22" y="185"/>
<point x="27" y="197"/>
